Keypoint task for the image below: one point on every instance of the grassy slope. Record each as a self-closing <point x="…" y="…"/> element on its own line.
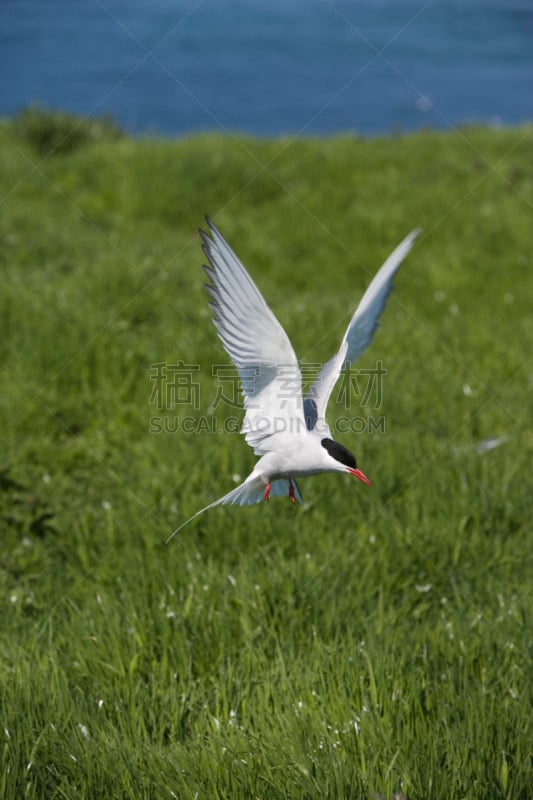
<point x="371" y="641"/>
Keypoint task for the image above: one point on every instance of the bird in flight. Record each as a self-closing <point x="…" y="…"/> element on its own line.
<point x="288" y="431"/>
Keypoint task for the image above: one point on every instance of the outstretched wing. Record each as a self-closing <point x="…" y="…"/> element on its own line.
<point x="357" y="337"/>
<point x="257" y="345"/>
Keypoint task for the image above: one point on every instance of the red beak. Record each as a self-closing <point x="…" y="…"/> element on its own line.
<point x="360" y="474"/>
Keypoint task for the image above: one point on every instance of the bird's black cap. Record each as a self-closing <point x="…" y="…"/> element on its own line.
<point x="339" y="452"/>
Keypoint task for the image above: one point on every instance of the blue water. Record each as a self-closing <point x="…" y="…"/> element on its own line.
<point x="271" y="66"/>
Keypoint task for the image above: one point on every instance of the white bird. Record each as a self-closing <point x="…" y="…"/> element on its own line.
<point x="290" y="433"/>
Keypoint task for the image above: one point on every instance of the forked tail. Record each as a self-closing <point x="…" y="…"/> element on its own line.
<point x="251" y="491"/>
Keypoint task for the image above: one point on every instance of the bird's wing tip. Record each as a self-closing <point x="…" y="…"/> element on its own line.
<point x="211" y="225"/>
<point x="206" y="239"/>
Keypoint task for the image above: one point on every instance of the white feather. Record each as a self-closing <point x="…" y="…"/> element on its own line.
<point x="358" y="335"/>
<point x="286" y="433"/>
<point x="257" y="345"/>
<point x="251" y="491"/>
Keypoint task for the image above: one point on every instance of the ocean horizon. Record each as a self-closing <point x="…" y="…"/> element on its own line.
<point x="299" y="68"/>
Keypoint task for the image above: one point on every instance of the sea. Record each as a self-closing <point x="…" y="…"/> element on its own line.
<point x="271" y="67"/>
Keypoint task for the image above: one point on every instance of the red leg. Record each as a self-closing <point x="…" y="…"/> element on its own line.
<point x="267" y="492"/>
<point x="291" y="492"/>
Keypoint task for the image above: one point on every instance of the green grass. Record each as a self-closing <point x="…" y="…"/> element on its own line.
<point x="373" y="641"/>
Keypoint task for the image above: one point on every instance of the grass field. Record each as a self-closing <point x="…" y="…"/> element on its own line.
<point x="371" y="643"/>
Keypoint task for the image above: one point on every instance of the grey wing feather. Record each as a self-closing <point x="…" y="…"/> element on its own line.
<point x="256" y="343"/>
<point x="358" y="335"/>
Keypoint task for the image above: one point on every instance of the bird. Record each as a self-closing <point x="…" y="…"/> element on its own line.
<point x="287" y="430"/>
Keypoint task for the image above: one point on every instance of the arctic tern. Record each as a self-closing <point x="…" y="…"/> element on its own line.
<point x="288" y="431"/>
